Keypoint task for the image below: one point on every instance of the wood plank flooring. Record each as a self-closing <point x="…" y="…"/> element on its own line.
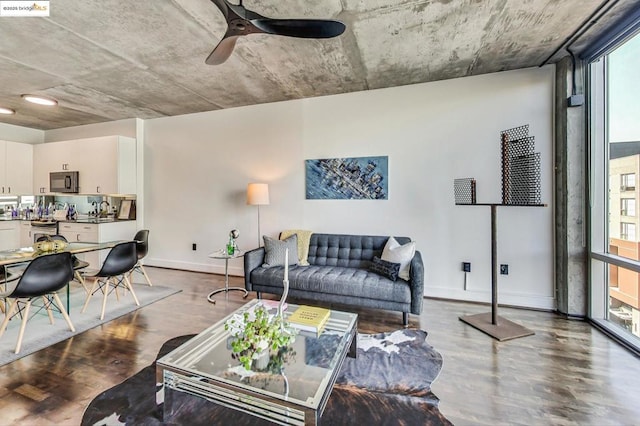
<point x="566" y="374"/>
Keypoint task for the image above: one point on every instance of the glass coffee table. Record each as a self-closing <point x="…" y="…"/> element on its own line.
<point x="293" y="389"/>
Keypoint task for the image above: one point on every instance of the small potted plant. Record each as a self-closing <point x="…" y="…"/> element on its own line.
<point x="255" y="334"/>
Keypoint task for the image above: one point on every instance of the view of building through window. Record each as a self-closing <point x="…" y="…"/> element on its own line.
<point x="623" y="105"/>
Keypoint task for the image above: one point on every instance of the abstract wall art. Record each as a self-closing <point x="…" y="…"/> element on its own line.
<point x="358" y="178"/>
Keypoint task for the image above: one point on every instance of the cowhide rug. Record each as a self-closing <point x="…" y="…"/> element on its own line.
<point x="387" y="384"/>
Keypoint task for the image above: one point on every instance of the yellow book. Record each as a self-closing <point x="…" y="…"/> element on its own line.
<point x="309" y="318"/>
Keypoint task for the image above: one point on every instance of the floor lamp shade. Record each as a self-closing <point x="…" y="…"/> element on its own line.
<point x="258" y="195"/>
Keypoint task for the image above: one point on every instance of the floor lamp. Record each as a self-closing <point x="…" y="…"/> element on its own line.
<point x="258" y="195"/>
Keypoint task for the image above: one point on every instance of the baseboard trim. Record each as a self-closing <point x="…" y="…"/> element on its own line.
<point x="504" y="299"/>
<point x="217" y="268"/>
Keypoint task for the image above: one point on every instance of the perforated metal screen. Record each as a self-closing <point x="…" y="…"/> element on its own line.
<point x="521" y="183"/>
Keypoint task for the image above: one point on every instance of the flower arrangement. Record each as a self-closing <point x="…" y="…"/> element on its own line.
<point x="255" y="333"/>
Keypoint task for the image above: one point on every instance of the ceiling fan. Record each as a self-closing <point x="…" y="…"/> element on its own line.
<point x="241" y="22"/>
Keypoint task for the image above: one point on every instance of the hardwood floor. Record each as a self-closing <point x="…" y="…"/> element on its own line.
<point x="568" y="373"/>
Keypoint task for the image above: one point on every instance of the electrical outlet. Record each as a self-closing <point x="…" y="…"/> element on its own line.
<point x="193" y="246"/>
<point x="504" y="269"/>
<point x="466" y="266"/>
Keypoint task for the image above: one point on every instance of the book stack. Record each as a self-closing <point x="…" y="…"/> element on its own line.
<point x="309" y="318"/>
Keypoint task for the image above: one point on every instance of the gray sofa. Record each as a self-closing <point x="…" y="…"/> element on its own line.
<point x="338" y="273"/>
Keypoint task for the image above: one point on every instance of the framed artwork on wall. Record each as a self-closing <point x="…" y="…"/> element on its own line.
<point x="355" y="178"/>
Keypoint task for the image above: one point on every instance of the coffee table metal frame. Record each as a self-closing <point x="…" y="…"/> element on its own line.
<point x="181" y="370"/>
<point x="221" y="254"/>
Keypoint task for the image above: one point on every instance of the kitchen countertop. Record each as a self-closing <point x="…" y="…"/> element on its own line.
<point x="96" y="220"/>
<point x="83" y="220"/>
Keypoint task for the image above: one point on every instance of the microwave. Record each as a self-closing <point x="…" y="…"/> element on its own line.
<point x="63" y="182"/>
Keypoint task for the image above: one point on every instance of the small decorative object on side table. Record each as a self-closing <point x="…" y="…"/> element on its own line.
<point x="232" y="246"/>
<point x="224" y="254"/>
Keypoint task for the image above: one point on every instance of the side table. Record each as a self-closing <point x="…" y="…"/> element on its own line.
<point x="222" y="254"/>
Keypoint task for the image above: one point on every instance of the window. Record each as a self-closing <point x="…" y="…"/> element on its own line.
<point x="628" y="206"/>
<point x="628" y="182"/>
<point x="614" y="137"/>
<point x="628" y="231"/>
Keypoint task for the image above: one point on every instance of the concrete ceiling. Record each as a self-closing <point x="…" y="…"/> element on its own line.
<point x="107" y="60"/>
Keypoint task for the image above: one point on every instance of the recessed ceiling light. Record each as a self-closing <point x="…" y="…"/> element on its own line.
<point x="7" y="111"/>
<point x="40" y="100"/>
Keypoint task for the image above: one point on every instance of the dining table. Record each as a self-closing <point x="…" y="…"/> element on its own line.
<point x="19" y="258"/>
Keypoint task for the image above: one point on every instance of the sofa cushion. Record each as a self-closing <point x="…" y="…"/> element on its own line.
<point x="275" y="251"/>
<point x="386" y="269"/>
<point x="402" y="254"/>
<point x="335" y="280"/>
<point x="303" y="243"/>
<point x="355" y="251"/>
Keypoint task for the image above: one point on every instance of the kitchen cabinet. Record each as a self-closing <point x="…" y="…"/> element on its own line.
<point x="26" y="234"/>
<point x="10" y="234"/>
<point x="47" y="157"/>
<point x="82" y="232"/>
<point x="106" y="165"/>
<point x="16" y="168"/>
<point x="97" y="232"/>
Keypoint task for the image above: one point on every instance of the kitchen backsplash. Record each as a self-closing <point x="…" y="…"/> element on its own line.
<point x="84" y="205"/>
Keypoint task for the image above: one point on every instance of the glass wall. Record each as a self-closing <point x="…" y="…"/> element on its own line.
<point x="614" y="106"/>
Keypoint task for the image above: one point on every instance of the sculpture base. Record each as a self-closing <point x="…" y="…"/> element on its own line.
<point x="503" y="330"/>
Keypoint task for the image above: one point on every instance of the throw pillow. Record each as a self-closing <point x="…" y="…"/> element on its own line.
<point x="402" y="254"/>
<point x="384" y="268"/>
<point x="275" y="251"/>
<point x="304" y="238"/>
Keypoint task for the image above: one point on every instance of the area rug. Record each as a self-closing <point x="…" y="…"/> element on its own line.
<point x="389" y="383"/>
<point x="40" y="334"/>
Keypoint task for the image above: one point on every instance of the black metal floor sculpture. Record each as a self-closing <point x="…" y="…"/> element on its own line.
<point x="521" y="187"/>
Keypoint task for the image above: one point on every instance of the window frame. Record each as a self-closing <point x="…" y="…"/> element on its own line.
<point x="600" y="258"/>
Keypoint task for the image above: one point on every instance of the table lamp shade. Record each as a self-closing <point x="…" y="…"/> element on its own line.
<point x="258" y="194"/>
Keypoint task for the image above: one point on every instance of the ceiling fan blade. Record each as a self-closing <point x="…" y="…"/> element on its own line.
<point x="222" y="51"/>
<point x="303" y="28"/>
<point x="241" y="22"/>
<point x="235" y="11"/>
<point x="223" y="6"/>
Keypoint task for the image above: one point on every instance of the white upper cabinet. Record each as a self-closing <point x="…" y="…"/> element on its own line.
<point x="105" y="165"/>
<point x="47" y="158"/>
<point x="16" y="168"/>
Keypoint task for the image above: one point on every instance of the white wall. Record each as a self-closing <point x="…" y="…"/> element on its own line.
<point x="9" y="132"/>
<point x="197" y="167"/>
<point x="125" y="127"/>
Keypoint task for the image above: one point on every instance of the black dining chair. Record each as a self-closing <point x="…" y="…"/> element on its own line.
<point x="78" y="264"/>
<point x="113" y="274"/>
<point x="142" y="248"/>
<point x="42" y="278"/>
<point x="5" y="278"/>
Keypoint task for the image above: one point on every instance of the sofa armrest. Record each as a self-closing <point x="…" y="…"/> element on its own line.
<point x="252" y="259"/>
<point x="416" y="274"/>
